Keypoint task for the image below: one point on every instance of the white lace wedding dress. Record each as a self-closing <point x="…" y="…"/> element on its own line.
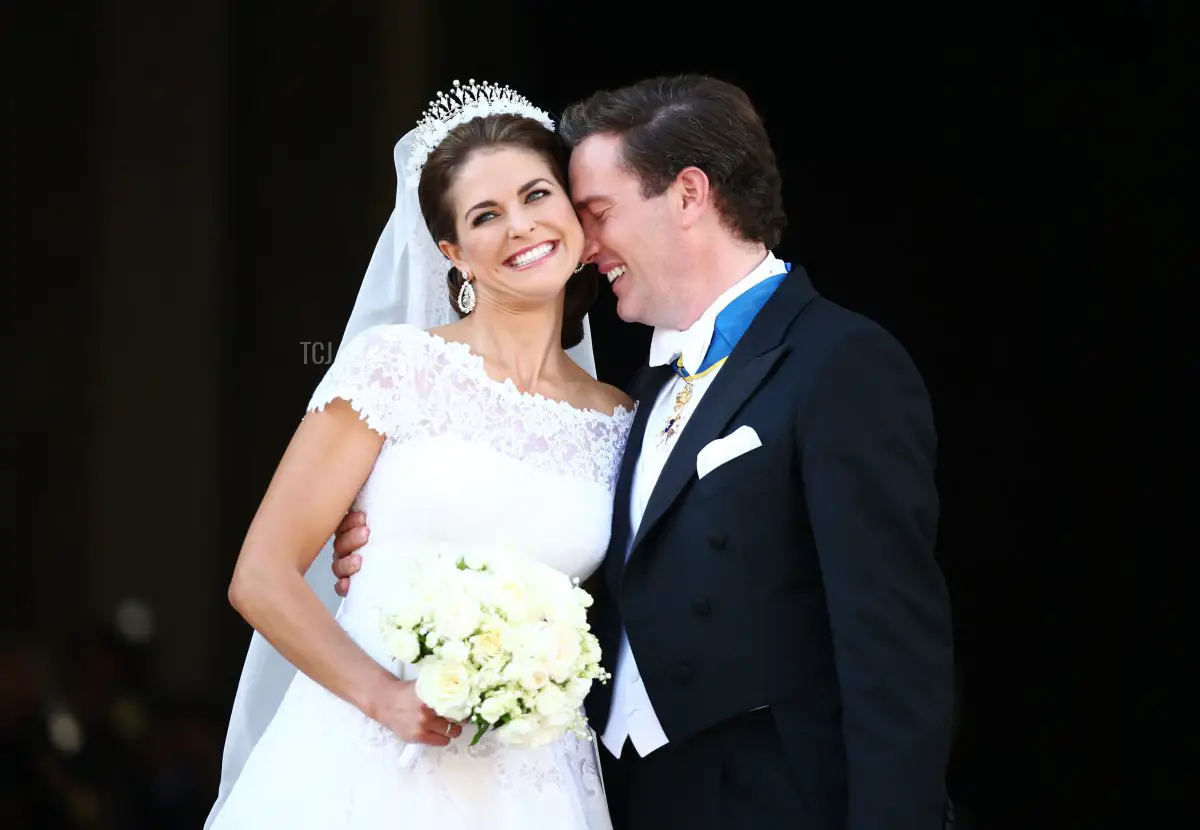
<point x="472" y="462"/>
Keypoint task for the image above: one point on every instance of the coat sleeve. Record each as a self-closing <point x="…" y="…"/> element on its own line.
<point x="868" y="447"/>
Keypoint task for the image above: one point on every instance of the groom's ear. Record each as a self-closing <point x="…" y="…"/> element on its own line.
<point x="693" y="194"/>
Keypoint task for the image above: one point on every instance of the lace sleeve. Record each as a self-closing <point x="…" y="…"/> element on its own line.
<point x="373" y="373"/>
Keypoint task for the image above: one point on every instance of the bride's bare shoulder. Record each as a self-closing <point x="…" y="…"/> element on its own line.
<point x="455" y="332"/>
<point x="607" y="398"/>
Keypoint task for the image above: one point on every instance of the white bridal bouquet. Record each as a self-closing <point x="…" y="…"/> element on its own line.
<point x="501" y="643"/>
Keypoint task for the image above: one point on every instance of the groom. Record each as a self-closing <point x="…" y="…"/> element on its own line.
<point x="777" y="627"/>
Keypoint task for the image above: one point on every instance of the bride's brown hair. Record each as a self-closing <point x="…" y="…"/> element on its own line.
<point x="448" y="158"/>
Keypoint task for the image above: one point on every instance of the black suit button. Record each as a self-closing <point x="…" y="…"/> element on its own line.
<point x="682" y="672"/>
<point x="700" y="606"/>
<point x="717" y="541"/>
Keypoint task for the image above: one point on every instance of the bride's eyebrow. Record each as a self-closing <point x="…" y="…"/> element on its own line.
<point x="525" y="188"/>
<point x="529" y="185"/>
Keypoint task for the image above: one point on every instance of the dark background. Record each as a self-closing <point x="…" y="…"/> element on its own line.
<point x="192" y="190"/>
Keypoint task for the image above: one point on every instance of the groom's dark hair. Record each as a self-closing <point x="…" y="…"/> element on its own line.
<point x="669" y="123"/>
<point x="449" y="157"/>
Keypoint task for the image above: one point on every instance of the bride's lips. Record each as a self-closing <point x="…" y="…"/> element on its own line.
<point x="532" y="255"/>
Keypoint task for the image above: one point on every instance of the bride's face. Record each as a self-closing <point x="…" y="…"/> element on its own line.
<point x="518" y="235"/>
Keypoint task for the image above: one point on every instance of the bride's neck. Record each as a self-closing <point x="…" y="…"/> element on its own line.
<point x="523" y="346"/>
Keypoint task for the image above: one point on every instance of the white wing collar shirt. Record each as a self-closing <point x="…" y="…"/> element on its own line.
<point x="632" y="715"/>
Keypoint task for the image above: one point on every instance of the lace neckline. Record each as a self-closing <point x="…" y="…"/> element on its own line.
<point x="474" y="362"/>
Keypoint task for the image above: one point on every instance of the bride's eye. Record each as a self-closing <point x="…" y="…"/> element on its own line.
<point x="480" y="218"/>
<point x="536" y="194"/>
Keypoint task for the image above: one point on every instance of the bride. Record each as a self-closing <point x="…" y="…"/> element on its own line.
<point x="478" y="432"/>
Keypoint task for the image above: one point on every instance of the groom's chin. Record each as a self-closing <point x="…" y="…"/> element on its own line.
<point x="627" y="310"/>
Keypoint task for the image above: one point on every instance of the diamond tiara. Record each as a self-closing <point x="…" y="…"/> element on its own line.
<point x="461" y="105"/>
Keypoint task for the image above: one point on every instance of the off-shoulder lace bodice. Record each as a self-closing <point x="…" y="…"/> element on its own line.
<point x="409" y="384"/>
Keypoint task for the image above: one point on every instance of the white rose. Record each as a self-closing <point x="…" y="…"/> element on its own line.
<point x="581" y="597"/>
<point x="499" y="705"/>
<point x="477" y="560"/>
<point x="409" y="612"/>
<point x="487" y="645"/>
<point x="535" y="677"/>
<point x="551" y="702"/>
<point x="445" y="688"/>
<point x="403" y="645"/>
<point x="471" y="585"/>
<point x="566" y="611"/>
<point x="508" y="590"/>
<point x="518" y="640"/>
<point x="559" y="649"/>
<point x="518" y="730"/>
<point x="577" y="689"/>
<point x="489" y="675"/>
<point x="453" y="651"/>
<point x="529" y="674"/>
<point x="514" y="597"/>
<point x="458" y="618"/>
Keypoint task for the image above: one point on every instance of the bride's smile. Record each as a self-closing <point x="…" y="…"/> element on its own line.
<point x="532" y="255"/>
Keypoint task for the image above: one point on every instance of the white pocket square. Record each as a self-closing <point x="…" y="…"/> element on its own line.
<point x="739" y="442"/>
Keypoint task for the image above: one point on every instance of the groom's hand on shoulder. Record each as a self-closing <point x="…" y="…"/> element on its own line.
<point x="350" y="535"/>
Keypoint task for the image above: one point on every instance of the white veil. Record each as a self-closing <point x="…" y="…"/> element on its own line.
<point x="405" y="283"/>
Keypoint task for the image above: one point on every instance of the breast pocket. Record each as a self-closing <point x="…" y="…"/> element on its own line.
<point x="740" y="473"/>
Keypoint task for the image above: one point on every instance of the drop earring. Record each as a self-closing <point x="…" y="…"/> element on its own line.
<point x="466" y="295"/>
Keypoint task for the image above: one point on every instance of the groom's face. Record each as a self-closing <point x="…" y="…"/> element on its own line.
<point x="628" y="237"/>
